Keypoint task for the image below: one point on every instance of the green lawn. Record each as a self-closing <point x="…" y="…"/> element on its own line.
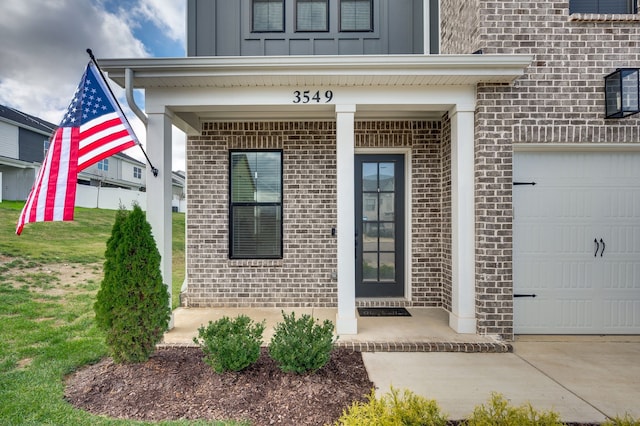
<point x="49" y="277"/>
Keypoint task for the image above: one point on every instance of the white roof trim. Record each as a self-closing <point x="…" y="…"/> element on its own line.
<point x="368" y="70"/>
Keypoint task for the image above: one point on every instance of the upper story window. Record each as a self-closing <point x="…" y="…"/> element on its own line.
<point x="602" y="6"/>
<point x="356" y="15"/>
<point x="137" y="172"/>
<point x="103" y="165"/>
<point x="268" y="16"/>
<point x="255" y="208"/>
<point x="312" y="15"/>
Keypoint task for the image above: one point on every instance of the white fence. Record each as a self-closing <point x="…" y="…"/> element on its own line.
<point x="112" y="198"/>
<point x="109" y="198"/>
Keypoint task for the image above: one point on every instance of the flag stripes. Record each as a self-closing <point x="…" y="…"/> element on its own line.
<point x="102" y="137"/>
<point x="93" y="128"/>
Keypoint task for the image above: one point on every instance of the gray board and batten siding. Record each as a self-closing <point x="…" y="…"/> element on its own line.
<point x="397" y="28"/>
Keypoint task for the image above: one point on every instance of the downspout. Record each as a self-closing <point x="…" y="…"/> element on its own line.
<point x="128" y="86"/>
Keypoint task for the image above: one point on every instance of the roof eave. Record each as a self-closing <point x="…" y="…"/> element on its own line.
<point x="279" y="70"/>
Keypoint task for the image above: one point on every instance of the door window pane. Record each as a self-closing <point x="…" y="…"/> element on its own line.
<point x="386" y="206"/>
<point x="370" y="237"/>
<point x="355" y="15"/>
<point x="312" y="15"/>
<point x="268" y="15"/>
<point x="370" y="267"/>
<point x="387" y="179"/>
<point x="387" y="267"/>
<point x="370" y="176"/>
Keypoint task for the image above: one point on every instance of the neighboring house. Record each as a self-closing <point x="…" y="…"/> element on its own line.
<point x="117" y="171"/>
<point x="178" y="188"/>
<point x="347" y="153"/>
<point x="23" y="141"/>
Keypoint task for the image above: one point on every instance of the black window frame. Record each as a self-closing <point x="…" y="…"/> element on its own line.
<point x="357" y="30"/>
<point x="233" y="205"/>
<point x="253" y="21"/>
<point x="585" y="6"/>
<point x="326" y="26"/>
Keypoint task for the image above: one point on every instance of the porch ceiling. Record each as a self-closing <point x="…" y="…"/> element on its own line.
<point x="389" y="70"/>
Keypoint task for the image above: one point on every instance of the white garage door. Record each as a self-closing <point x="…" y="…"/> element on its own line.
<point x="576" y="238"/>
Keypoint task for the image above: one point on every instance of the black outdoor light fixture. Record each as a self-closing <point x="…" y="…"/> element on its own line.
<point x="622" y="92"/>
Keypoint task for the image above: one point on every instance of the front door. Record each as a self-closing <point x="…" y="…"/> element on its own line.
<point x="379" y="208"/>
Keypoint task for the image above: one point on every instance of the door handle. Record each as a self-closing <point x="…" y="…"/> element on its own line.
<point x="603" y="246"/>
<point x="595" y="240"/>
<point x="356" y="245"/>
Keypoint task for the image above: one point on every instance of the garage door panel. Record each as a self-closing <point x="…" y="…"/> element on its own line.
<point x="577" y="243"/>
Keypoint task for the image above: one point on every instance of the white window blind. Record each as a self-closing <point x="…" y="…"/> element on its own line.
<point x="312" y="15"/>
<point x="355" y="15"/>
<point x="268" y="15"/>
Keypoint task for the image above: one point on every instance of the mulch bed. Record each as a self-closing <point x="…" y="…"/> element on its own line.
<point x="176" y="384"/>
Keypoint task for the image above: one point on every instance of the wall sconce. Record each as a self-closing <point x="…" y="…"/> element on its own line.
<point x="622" y="93"/>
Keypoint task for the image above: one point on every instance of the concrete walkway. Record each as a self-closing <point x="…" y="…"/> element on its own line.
<point x="584" y="379"/>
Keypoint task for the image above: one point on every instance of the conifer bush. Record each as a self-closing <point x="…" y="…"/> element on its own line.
<point x="394" y="409"/>
<point x="132" y="305"/>
<point x="498" y="411"/>
<point x="231" y="344"/>
<point x="302" y="345"/>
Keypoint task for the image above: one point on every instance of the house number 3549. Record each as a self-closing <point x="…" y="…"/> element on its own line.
<point x="308" y="96"/>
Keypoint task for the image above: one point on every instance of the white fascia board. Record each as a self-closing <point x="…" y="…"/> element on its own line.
<point x="19" y="164"/>
<point x="275" y="70"/>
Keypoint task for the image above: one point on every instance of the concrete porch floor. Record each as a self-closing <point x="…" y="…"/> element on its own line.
<point x="426" y="330"/>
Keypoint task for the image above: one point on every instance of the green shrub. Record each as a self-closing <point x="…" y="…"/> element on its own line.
<point x="132" y="306"/>
<point x="301" y="345"/>
<point x="498" y="412"/>
<point x="231" y="344"/>
<point x="394" y="409"/>
<point x="627" y="420"/>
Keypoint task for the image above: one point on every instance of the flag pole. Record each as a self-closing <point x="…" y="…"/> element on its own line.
<point x="93" y="59"/>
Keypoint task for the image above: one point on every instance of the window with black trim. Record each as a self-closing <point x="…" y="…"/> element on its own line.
<point x="255" y="208"/>
<point x="268" y="15"/>
<point x="603" y="6"/>
<point x="312" y="15"/>
<point x="356" y="15"/>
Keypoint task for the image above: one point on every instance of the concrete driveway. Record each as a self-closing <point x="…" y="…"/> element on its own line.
<point x="584" y="379"/>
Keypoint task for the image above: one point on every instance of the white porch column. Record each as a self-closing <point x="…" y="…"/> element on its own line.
<point x="159" y="189"/>
<point x="346" y="322"/>
<point x="463" y="313"/>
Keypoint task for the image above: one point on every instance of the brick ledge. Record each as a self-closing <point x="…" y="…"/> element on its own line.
<point x="494" y="347"/>
<point x="582" y="17"/>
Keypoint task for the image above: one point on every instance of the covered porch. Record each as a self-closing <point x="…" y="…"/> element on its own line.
<point x="426" y="330"/>
<point x="188" y="92"/>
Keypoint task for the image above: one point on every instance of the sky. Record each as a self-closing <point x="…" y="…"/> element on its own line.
<point x="43" y="55"/>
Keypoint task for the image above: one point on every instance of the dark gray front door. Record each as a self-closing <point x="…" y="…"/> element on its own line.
<point x="379" y="207"/>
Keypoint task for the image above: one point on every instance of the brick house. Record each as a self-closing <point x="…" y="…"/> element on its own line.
<point x="346" y="153"/>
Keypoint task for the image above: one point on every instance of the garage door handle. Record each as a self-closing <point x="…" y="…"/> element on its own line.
<point x="603" y="246"/>
<point x="597" y="247"/>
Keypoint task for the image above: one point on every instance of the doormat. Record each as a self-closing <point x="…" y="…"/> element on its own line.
<point x="383" y="312"/>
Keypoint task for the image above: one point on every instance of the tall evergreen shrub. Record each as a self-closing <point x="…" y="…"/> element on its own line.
<point x="132" y="306"/>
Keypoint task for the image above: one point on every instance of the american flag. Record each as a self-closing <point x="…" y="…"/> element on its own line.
<point x="92" y="129"/>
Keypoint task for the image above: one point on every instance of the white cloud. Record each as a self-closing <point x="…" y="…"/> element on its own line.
<point x="169" y="15"/>
<point x="43" y="49"/>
